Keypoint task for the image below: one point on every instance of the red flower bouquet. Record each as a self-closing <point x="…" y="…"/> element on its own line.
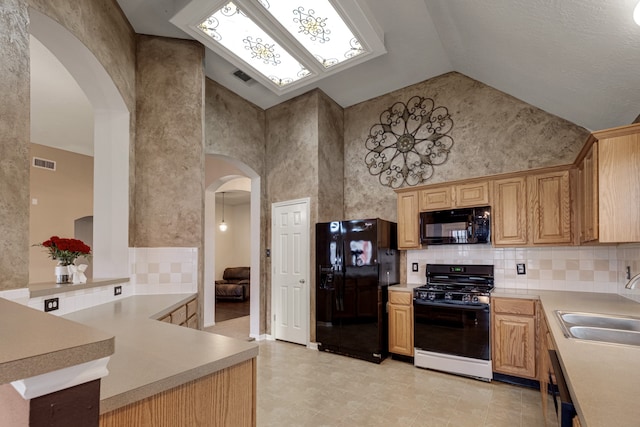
<point x="65" y="251"/>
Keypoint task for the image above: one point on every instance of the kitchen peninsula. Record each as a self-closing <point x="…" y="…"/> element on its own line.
<point x="161" y="372"/>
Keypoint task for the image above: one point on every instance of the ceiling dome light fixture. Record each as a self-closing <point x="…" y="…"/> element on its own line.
<point x="636" y="13"/>
<point x="223" y="225"/>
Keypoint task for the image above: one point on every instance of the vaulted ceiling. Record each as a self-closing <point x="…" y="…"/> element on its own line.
<point x="578" y="59"/>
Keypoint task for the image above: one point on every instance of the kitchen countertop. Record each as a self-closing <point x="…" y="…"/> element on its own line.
<point x="35" y="343"/>
<point x="153" y="356"/>
<point x="403" y="287"/>
<point x="603" y="379"/>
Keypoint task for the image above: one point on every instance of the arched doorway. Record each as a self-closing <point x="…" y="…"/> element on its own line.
<point x="218" y="170"/>
<point x="111" y="144"/>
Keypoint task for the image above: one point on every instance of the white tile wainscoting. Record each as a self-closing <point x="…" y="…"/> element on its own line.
<point x="80" y="299"/>
<point x="151" y="271"/>
<point x="584" y="268"/>
<point x="164" y="270"/>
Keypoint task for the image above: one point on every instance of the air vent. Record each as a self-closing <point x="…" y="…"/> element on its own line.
<point x="44" y="164"/>
<point x="242" y="75"/>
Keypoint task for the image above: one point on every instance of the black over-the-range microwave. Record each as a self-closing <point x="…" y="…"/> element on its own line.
<point x="453" y="226"/>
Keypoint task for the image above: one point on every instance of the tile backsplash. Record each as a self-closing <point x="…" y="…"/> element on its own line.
<point x="585" y="268"/>
<point x="164" y="270"/>
<point x="151" y="271"/>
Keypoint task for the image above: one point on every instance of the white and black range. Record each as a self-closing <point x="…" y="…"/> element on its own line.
<point x="452" y="320"/>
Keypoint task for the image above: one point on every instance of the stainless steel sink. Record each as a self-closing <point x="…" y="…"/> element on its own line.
<point x="605" y="328"/>
<point x="614" y="336"/>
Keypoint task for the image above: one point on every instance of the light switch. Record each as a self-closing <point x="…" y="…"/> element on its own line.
<point x="521" y="269"/>
<point x="414" y="267"/>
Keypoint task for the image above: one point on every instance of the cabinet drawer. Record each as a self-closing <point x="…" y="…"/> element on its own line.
<point x="403" y="298"/>
<point x="192" y="307"/>
<point x="192" y="322"/>
<point x="179" y="316"/>
<point x="525" y="307"/>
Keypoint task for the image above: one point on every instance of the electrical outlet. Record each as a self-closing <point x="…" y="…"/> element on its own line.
<point x="521" y="269"/>
<point x="414" y="267"/>
<point x="117" y="290"/>
<point x="51" y="304"/>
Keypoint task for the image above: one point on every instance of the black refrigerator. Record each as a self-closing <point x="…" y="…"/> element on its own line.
<point x="356" y="262"/>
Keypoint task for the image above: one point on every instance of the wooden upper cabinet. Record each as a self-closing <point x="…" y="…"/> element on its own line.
<point x="619" y="184"/>
<point x="509" y="212"/>
<point x="468" y="195"/>
<point x="408" y="220"/>
<point x="588" y="195"/>
<point x="472" y="195"/>
<point x="550" y="204"/>
<point x="433" y="199"/>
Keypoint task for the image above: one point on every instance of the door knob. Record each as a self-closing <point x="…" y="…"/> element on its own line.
<point x="301" y="281"/>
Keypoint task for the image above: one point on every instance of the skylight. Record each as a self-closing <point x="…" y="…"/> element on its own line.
<point x="319" y="28"/>
<point x="284" y="44"/>
<point x="234" y="30"/>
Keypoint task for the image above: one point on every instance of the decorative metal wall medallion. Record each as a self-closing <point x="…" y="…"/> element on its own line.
<point x="408" y="142"/>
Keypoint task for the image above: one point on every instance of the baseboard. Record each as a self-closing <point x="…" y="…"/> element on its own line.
<point x="312" y="345"/>
<point x="510" y="379"/>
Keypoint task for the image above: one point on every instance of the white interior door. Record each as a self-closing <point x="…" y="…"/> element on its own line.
<point x="290" y="272"/>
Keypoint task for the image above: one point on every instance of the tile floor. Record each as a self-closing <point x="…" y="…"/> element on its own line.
<point x="298" y="386"/>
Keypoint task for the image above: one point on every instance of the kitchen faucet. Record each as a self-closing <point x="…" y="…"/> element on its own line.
<point x="631" y="284"/>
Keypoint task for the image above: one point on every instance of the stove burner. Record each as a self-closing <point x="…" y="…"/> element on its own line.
<point x="471" y="284"/>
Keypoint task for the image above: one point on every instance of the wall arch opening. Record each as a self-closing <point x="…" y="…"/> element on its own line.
<point x="111" y="145"/>
<point x="218" y="171"/>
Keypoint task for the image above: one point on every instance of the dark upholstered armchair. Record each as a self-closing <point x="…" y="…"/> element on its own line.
<point x="234" y="284"/>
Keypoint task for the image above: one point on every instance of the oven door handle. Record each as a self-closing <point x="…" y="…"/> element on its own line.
<point x="470" y="307"/>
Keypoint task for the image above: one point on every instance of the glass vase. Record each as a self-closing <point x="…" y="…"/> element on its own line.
<point x="62" y="273"/>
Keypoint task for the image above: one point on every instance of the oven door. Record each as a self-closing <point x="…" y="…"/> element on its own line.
<point x="449" y="328"/>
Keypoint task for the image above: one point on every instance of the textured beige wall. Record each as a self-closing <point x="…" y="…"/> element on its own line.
<point x="492" y="132"/>
<point x="63" y="196"/>
<point x="14" y="143"/>
<point x="103" y="28"/>
<point x="235" y="128"/>
<point x="292" y="150"/>
<point x="330" y="159"/>
<point x="169" y="170"/>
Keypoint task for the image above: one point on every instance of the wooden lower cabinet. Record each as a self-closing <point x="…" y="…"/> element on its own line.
<point x="185" y="315"/>
<point x="514" y="337"/>
<point x="224" y="398"/>
<point x="401" y="323"/>
<point x="546" y="344"/>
